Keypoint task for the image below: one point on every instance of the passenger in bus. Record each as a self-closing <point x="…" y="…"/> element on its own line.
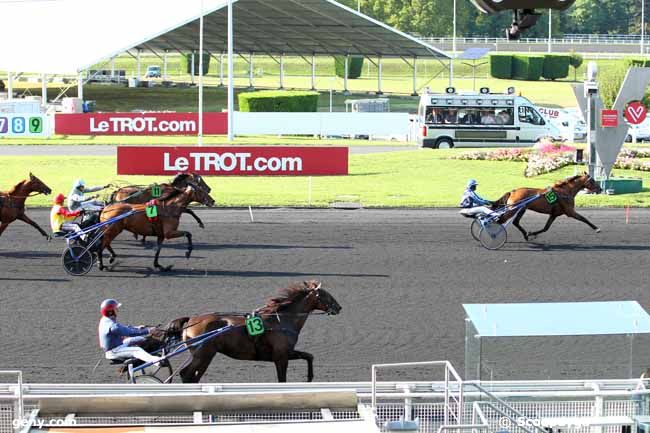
<point x="505" y="118"/>
<point x="431" y="116"/>
<point x="488" y="118"/>
<point x="451" y="116"/>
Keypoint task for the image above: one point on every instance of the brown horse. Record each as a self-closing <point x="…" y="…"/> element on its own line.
<point x="135" y="194"/>
<point x="284" y="317"/>
<point x="12" y="203"/>
<point x="565" y="191"/>
<point x="164" y="226"/>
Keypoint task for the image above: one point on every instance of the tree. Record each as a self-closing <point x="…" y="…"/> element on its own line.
<point x="575" y="60"/>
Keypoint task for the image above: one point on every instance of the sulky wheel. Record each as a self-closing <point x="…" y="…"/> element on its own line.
<point x="147" y="379"/>
<point x="77" y="260"/>
<point x="493" y="235"/>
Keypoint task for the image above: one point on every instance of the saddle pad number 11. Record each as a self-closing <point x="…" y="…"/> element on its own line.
<point x="551" y="197"/>
<point x="156" y="191"/>
<point x="254" y="326"/>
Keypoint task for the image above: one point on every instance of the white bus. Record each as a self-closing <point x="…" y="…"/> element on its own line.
<point x="480" y="120"/>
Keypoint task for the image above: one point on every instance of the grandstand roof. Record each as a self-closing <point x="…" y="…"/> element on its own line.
<point x="68" y="36"/>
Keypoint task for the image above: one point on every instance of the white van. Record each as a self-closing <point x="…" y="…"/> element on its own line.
<point x="480" y="120"/>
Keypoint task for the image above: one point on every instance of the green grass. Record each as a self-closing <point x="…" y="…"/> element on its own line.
<point x="419" y="178"/>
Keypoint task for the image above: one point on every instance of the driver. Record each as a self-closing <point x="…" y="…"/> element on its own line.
<point x="121" y="341"/>
<point x="78" y="199"/>
<point x="472" y="203"/>
<point x="61" y="218"/>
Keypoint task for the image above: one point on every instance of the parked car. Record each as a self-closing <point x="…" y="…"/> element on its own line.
<point x="153" y="71"/>
<point x="639" y="133"/>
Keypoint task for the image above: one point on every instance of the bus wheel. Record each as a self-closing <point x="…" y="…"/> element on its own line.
<point x="444" y="143"/>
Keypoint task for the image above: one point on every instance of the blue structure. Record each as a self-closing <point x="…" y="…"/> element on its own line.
<point x="549" y="319"/>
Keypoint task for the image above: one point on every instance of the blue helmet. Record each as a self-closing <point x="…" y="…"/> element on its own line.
<point x="471" y="183"/>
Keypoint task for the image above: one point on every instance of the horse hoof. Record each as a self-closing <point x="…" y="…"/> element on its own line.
<point x="165" y="268"/>
<point x="188" y="254"/>
<point x="112" y="260"/>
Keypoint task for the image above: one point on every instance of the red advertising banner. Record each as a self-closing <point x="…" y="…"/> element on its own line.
<point x="233" y="161"/>
<point x="140" y="124"/>
<point x="609" y="118"/>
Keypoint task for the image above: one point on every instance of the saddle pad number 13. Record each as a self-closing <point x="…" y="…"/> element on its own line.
<point x="551" y="197"/>
<point x="254" y="326"/>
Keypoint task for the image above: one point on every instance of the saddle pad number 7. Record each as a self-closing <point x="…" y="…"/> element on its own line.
<point x="254" y="326"/>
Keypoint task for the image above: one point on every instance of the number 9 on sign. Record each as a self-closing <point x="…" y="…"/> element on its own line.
<point x="35" y="125"/>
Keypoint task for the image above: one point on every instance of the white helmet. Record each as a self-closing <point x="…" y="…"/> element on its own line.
<point x="79" y="182"/>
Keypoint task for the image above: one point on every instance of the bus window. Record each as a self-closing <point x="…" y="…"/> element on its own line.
<point x="528" y="115"/>
<point x="505" y="117"/>
<point x="433" y="115"/>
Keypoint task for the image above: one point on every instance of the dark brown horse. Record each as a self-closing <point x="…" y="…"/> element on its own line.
<point x="135" y="194"/>
<point x="165" y="225"/>
<point x="284" y="317"/>
<point x="12" y="203"/>
<point x="565" y="192"/>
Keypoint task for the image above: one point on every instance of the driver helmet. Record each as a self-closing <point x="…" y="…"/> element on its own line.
<point x="109" y="305"/>
<point x="59" y="199"/>
<point x="78" y="183"/>
<point x="471" y="183"/>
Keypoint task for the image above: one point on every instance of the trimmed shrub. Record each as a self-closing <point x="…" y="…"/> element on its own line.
<point x="609" y="83"/>
<point x="636" y="62"/>
<point x="278" y="101"/>
<point x="575" y="60"/>
<point x="527" y="67"/>
<point x="556" y="66"/>
<point x="197" y="59"/>
<point x="501" y="66"/>
<point x="355" y="66"/>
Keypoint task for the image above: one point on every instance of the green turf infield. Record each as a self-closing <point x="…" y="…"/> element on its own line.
<point x="417" y="178"/>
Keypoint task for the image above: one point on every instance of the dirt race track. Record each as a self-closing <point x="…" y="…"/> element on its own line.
<point x="400" y="275"/>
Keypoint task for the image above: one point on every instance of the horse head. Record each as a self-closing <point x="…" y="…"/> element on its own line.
<point x="184" y="179"/>
<point x="323" y="300"/>
<point x="199" y="195"/>
<point x="590" y="184"/>
<point x="35" y="184"/>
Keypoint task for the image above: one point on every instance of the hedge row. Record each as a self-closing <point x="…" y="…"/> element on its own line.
<point x="355" y="66"/>
<point x="278" y="101"/>
<point x="529" y="67"/>
<point x="636" y="62"/>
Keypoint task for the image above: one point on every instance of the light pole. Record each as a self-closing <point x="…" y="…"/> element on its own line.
<point x="231" y="81"/>
<point x="453" y="49"/>
<point x="200" y="141"/>
<point x="642" y="24"/>
<point x="358" y="5"/>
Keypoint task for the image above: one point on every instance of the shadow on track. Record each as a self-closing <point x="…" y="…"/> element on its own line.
<point x="533" y="246"/>
<point x="185" y="273"/>
<point x="28" y="254"/>
<point x="211" y="247"/>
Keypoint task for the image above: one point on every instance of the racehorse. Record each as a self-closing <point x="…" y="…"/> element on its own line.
<point x="283" y="316"/>
<point x="12" y="203"/>
<point x="163" y="226"/>
<point x="135" y="194"/>
<point x="565" y="192"/>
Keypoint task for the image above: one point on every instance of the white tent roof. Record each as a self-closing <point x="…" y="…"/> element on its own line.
<point x="68" y="36"/>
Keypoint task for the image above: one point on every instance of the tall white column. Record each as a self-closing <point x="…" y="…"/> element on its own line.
<point x="550" y="29"/>
<point x="113" y="68"/>
<point x="165" y="65"/>
<point x="231" y="89"/>
<point x="200" y="140"/>
<point x="221" y="69"/>
<point x="415" y="77"/>
<point x="282" y="71"/>
<point x="192" y="69"/>
<point x="345" y="75"/>
<point x="313" y="72"/>
<point x="250" y="70"/>
<point x="80" y="86"/>
<point x="44" y="90"/>
<point x="139" y="66"/>
<point x="10" y="85"/>
<point x="379" y="76"/>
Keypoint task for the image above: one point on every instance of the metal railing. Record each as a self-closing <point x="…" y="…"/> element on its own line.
<point x="523" y="41"/>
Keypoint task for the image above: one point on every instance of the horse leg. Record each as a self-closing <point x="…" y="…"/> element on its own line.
<point x="194" y="371"/>
<point x="157" y="265"/>
<point x="518" y="218"/>
<point x="26" y="219"/>
<point x="113" y="255"/>
<point x="295" y="354"/>
<point x="575" y="215"/>
<point x="549" y="222"/>
<point x="198" y="220"/>
<point x="177" y="234"/>
<point x="281" y="366"/>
